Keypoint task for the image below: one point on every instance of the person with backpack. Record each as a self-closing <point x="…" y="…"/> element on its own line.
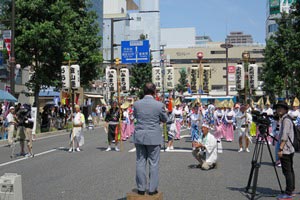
<point x="286" y="149"/>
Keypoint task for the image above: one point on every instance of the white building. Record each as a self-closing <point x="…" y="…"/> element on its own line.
<point x="145" y="21"/>
<point x="274" y="10"/>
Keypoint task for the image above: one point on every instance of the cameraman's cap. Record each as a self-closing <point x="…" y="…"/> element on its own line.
<point x="11" y="108"/>
<point x="281" y="104"/>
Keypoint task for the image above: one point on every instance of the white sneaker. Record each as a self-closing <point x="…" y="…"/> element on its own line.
<point x="171" y="147"/>
<point x="168" y="149"/>
<point x="77" y="149"/>
<point x="108" y="149"/>
<point x="71" y="149"/>
<point x="240" y="150"/>
<point x="247" y="150"/>
<point x="117" y="149"/>
<point x="28" y="155"/>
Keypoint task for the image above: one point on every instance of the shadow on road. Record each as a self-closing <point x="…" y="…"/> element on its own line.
<point x="101" y="148"/>
<point x="261" y="192"/>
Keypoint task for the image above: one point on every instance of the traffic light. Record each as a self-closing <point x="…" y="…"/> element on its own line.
<point x="157" y="77"/>
<point x="206" y="79"/>
<point x="253" y="79"/>
<point x="112" y="80"/>
<point x="124" y="75"/>
<point x="239" y="77"/>
<point x="117" y="61"/>
<point x="194" y="75"/>
<point x="170" y="78"/>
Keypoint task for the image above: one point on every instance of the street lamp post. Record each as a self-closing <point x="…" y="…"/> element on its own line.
<point x="112" y="20"/>
<point x="246" y="57"/>
<point x="226" y="46"/>
<point x="200" y="57"/>
<point x="12" y="50"/>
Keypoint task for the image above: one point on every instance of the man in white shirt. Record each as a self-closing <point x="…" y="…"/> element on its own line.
<point x="77" y="131"/>
<point x="206" y="151"/>
<point x="11" y="121"/>
<point x="244" y="121"/>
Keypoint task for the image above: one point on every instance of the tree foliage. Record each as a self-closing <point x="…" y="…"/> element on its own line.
<point x="182" y="82"/>
<point x="45" y="29"/>
<point x="282" y="58"/>
<point x="140" y="74"/>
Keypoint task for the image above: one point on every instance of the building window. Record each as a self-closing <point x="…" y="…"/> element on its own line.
<point x="272" y="28"/>
<point x="138" y="19"/>
<point x="218" y="87"/>
<point x="217" y="52"/>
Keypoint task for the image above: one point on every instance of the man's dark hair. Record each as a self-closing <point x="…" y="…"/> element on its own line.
<point x="149" y="89"/>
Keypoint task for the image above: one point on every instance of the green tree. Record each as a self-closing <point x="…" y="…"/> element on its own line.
<point x="182" y="82"/>
<point x="140" y="74"/>
<point x="45" y="29"/>
<point x="282" y="59"/>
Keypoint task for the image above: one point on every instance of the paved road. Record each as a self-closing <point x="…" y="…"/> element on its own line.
<point x="95" y="174"/>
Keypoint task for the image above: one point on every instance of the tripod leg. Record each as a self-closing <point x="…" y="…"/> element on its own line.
<point x="274" y="165"/>
<point x="254" y="161"/>
<point x="257" y="166"/>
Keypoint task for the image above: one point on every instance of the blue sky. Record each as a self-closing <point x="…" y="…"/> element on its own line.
<point x="216" y="18"/>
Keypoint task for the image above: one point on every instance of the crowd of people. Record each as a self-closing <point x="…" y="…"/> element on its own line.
<point x="208" y="124"/>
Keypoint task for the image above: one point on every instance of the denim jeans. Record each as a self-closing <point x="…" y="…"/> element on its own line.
<point x="288" y="172"/>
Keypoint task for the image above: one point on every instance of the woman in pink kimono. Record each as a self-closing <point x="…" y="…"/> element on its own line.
<point x="218" y="115"/>
<point x="125" y="122"/>
<point x="228" y="120"/>
<point x="178" y="119"/>
<point x="131" y="120"/>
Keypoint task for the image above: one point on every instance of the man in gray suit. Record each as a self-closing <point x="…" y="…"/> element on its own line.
<point x="147" y="137"/>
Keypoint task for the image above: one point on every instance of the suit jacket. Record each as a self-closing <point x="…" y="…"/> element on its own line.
<point x="148" y="113"/>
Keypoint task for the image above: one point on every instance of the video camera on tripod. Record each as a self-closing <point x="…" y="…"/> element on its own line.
<point x="262" y="120"/>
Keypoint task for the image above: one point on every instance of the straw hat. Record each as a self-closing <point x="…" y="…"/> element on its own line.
<point x="260" y="102"/>
<point x="268" y="101"/>
<point x="225" y="103"/>
<point x="125" y="105"/>
<point x="288" y="102"/>
<point x="230" y="104"/>
<point x="296" y="102"/>
<point x="177" y="102"/>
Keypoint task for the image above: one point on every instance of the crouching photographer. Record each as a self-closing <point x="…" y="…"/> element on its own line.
<point x="24" y="129"/>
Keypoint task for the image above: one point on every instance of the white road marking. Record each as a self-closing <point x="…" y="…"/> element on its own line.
<point x="35" y="155"/>
<point x="172" y="151"/>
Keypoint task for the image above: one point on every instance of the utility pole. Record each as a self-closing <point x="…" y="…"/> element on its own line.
<point x="12" y="59"/>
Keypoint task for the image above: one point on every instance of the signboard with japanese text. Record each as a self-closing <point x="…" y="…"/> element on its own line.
<point x="169" y="78"/>
<point x="274" y="6"/>
<point x="75" y="76"/>
<point x="135" y="51"/>
<point x="157" y="77"/>
<point x="65" y="77"/>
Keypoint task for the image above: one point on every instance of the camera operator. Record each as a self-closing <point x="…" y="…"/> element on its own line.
<point x="24" y="130"/>
<point x="244" y="121"/>
<point x="286" y="150"/>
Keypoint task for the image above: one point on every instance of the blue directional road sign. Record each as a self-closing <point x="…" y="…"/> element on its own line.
<point x="135" y="51"/>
